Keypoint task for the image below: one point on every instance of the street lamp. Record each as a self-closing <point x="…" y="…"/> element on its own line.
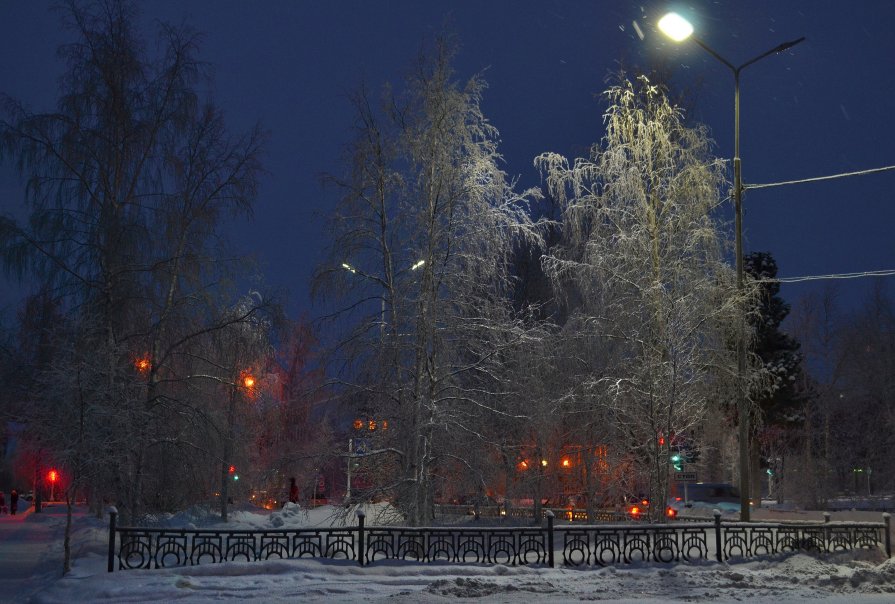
<point x="353" y="270"/>
<point x="52" y="477"/>
<point x="679" y="29"/>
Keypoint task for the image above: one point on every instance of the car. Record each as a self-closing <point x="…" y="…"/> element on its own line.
<point x="637" y="508"/>
<point x="706" y="496"/>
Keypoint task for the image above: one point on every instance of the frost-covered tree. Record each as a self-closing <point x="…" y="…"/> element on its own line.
<point x="643" y="258"/>
<point x="127" y="181"/>
<point x="863" y="421"/>
<point x="421" y="246"/>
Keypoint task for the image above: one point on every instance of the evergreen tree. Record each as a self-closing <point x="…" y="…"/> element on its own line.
<point x="778" y="400"/>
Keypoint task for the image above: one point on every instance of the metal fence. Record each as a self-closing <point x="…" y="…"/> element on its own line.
<point x="584" y="545"/>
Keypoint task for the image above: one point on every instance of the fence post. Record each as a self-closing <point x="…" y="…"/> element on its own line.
<point x="360" y="536"/>
<point x="887" y="518"/>
<point x="113" y="515"/>
<point x="720" y="554"/>
<point x="827" y="538"/>
<point x="550" y="515"/>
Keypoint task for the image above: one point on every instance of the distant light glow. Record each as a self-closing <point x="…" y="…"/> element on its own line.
<point x="249" y="381"/>
<point x="348" y="268"/>
<point x="675" y="27"/>
<point x="53" y="475"/>
<point x="418" y="265"/>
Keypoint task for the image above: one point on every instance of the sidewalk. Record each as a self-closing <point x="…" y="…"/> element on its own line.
<point x="30" y="552"/>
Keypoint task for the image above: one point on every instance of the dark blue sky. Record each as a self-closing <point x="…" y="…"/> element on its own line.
<point x="824" y="107"/>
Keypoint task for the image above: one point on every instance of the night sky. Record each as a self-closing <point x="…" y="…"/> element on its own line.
<point x="824" y="107"/>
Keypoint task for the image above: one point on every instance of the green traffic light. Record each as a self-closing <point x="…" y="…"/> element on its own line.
<point x="676" y="462"/>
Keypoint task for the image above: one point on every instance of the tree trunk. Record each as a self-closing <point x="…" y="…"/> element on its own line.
<point x="66" y="542"/>
<point x="755" y="470"/>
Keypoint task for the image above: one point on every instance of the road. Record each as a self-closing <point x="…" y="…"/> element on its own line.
<point x="30" y="551"/>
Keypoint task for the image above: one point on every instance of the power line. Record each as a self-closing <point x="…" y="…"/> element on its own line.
<point x="818" y="178"/>
<point x="881" y="273"/>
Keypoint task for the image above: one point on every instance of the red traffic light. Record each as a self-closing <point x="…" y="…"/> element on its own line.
<point x="232" y="469"/>
<point x="52" y="475"/>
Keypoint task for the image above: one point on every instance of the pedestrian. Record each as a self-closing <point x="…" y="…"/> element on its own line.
<point x="293" y="490"/>
<point x="2" y="503"/>
<point x="13" y="502"/>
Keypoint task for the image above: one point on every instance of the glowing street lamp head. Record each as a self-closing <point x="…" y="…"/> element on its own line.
<point x="248" y="381"/>
<point x="418" y="265"/>
<point x="675" y="27"/>
<point x="348" y="267"/>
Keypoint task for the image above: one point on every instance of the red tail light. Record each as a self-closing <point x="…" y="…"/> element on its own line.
<point x="671" y="512"/>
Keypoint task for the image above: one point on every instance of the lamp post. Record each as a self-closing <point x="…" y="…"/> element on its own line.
<point x="679" y="29"/>
<point x="52" y="476"/>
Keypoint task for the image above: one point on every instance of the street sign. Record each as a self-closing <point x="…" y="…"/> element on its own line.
<point x="686" y="477"/>
<point x="360" y="446"/>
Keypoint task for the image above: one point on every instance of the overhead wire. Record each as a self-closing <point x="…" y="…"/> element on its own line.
<point x="817" y="178"/>
<point x="880" y="273"/>
<point x="856" y="275"/>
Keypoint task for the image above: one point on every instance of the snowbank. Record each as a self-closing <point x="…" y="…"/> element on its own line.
<point x="864" y="577"/>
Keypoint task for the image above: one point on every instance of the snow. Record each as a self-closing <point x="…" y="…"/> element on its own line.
<point x="30" y="566"/>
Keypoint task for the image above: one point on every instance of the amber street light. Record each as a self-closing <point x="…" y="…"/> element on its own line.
<point x="679" y="29"/>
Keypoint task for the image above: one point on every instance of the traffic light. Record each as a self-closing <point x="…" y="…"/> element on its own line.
<point x="677" y="462"/>
<point x="233" y="474"/>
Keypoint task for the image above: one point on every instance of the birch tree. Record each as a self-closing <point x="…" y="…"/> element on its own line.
<point x="644" y="253"/>
<point x="127" y="181"/>
<point x="433" y="219"/>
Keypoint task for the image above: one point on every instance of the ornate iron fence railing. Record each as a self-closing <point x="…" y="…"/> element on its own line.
<point x="578" y="545"/>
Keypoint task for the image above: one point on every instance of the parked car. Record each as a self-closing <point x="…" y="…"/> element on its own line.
<point x="637" y="508"/>
<point x="706" y="496"/>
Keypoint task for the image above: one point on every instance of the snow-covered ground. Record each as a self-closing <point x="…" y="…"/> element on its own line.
<point x="33" y="541"/>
